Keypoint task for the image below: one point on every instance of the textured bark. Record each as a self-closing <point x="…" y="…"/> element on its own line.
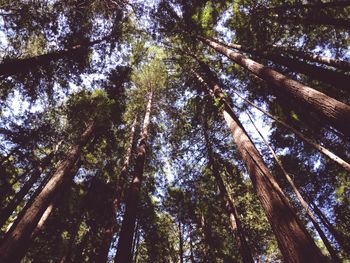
<point x="334" y="112"/>
<point x="15" y="66"/>
<point x="309" y="141"/>
<point x="124" y="253"/>
<point x="338" y="79"/>
<point x="230" y="206"/>
<point x="16" y="241"/>
<point x="295" y="243"/>
<point x="301" y="200"/>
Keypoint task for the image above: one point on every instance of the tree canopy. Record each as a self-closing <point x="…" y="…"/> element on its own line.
<point x="174" y="131"/>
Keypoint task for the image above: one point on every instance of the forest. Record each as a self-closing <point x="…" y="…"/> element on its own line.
<point x="174" y="131"/>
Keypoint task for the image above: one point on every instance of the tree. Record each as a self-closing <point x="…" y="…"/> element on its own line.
<point x="151" y="78"/>
<point x="268" y="190"/>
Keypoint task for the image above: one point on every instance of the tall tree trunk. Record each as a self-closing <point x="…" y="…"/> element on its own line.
<point x="124" y="254"/>
<point x="295" y="243"/>
<point x="230" y="206"/>
<point x="307" y="140"/>
<point x="343" y="241"/>
<point x="302" y="201"/>
<point x="15" y="244"/>
<point x="15" y="66"/>
<point x="338" y="79"/>
<point x="336" y="63"/>
<point x="122" y="180"/>
<point x="18" y="198"/>
<point x="54" y="203"/>
<point x="333" y="111"/>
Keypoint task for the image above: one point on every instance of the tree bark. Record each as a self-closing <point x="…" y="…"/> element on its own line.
<point x="16" y="241"/>
<point x="307" y="140"/>
<point x="334" y="112"/>
<point x="338" y="79"/>
<point x="230" y="206"/>
<point x="302" y="201"/>
<point x="295" y="243"/>
<point x="124" y="253"/>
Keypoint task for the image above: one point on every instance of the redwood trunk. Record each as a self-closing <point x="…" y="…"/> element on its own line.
<point x="16" y="241"/>
<point x="343" y="241"/>
<point x="230" y="206"/>
<point x="18" y="198"/>
<point x="295" y="243"/>
<point x="337" y="79"/>
<point x="336" y="63"/>
<point x="124" y="248"/>
<point x="122" y="180"/>
<point x="307" y="140"/>
<point x="302" y="201"/>
<point x="334" y="112"/>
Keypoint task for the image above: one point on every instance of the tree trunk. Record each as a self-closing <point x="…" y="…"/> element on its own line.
<point x="337" y="79"/>
<point x="54" y="203"/>
<point x="122" y="180"/>
<point x="333" y="111"/>
<point x="343" y="241"/>
<point x="307" y="140"/>
<point x="18" y="198"/>
<point x="302" y="201"/>
<point x="295" y="243"/>
<point x="336" y="63"/>
<point x="124" y="254"/>
<point x="230" y="206"/>
<point x="15" y="244"/>
<point x="15" y="66"/>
